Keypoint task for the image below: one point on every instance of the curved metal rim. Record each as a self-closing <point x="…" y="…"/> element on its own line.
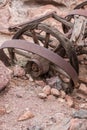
<point x="43" y="52"/>
<point x="80" y="12"/>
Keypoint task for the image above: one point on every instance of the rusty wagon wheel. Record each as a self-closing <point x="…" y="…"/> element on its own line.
<point x="45" y="42"/>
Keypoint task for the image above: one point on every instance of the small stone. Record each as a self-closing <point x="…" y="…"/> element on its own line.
<point x="55" y="82"/>
<point x="61" y="100"/>
<point x="77" y="85"/>
<point x="8" y="108"/>
<point x="19" y="95"/>
<point x="26" y="115"/>
<point x="40" y="83"/>
<point x="51" y="97"/>
<point x="55" y="92"/>
<point x="83" y="78"/>
<point x="47" y="90"/>
<point x="85" y="62"/>
<point x="18" y="71"/>
<point x="83" y="88"/>
<point x="2" y="111"/>
<point x="81" y="114"/>
<point x="65" y="79"/>
<point x="63" y="94"/>
<point x="78" y="124"/>
<point x="69" y="100"/>
<point x="29" y="77"/>
<point x="42" y="95"/>
<point x="83" y="105"/>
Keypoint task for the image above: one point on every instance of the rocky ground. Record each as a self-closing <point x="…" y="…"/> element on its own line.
<point x="31" y="104"/>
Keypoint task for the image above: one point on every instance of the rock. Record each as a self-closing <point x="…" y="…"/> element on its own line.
<point x="69" y="100"/>
<point x="18" y="71"/>
<point x="83" y="74"/>
<point x="85" y="62"/>
<point x="83" y="105"/>
<point x="65" y="79"/>
<point x="40" y="83"/>
<point x="55" y="82"/>
<point x="42" y="95"/>
<point x="26" y="115"/>
<point x="51" y="97"/>
<point x="55" y="92"/>
<point x="47" y="90"/>
<point x="63" y="94"/>
<point x="78" y="124"/>
<point x="83" y="88"/>
<point x="61" y="100"/>
<point x="8" y="108"/>
<point x="82" y="114"/>
<point x="5" y="76"/>
<point x="2" y="111"/>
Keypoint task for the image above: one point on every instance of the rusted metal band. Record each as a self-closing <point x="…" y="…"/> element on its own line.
<point x="35" y="20"/>
<point x="80" y="12"/>
<point x="43" y="52"/>
<point x="81" y="5"/>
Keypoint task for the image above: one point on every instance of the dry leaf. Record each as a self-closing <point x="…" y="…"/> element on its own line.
<point x="26" y="115"/>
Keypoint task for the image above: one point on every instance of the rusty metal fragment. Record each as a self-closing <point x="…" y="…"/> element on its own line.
<point x="80" y="12"/>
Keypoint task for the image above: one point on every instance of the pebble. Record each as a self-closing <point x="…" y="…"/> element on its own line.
<point x="51" y="97"/>
<point x="65" y="79"/>
<point x="29" y="77"/>
<point x="83" y="105"/>
<point x="2" y="111"/>
<point x="83" y="88"/>
<point x="18" y="71"/>
<point x="81" y="114"/>
<point x="55" y="92"/>
<point x="42" y="95"/>
<point x="78" y="124"/>
<point x="63" y="94"/>
<point x="47" y="90"/>
<point x="40" y="83"/>
<point x="26" y="115"/>
<point x="69" y="100"/>
<point x="61" y="100"/>
<point x="55" y="82"/>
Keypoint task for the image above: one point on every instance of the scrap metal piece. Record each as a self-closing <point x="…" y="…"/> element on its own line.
<point x="4" y="58"/>
<point x="80" y="12"/>
<point x="37" y="66"/>
<point x="81" y="5"/>
<point x="43" y="52"/>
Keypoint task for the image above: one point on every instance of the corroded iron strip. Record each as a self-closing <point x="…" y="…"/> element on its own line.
<point x="80" y="12"/>
<point x="81" y="5"/>
<point x="40" y="19"/>
<point x="35" y="20"/>
<point x="43" y="52"/>
<point x="4" y="58"/>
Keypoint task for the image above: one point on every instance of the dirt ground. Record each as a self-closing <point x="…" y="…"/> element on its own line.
<point x="21" y="95"/>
